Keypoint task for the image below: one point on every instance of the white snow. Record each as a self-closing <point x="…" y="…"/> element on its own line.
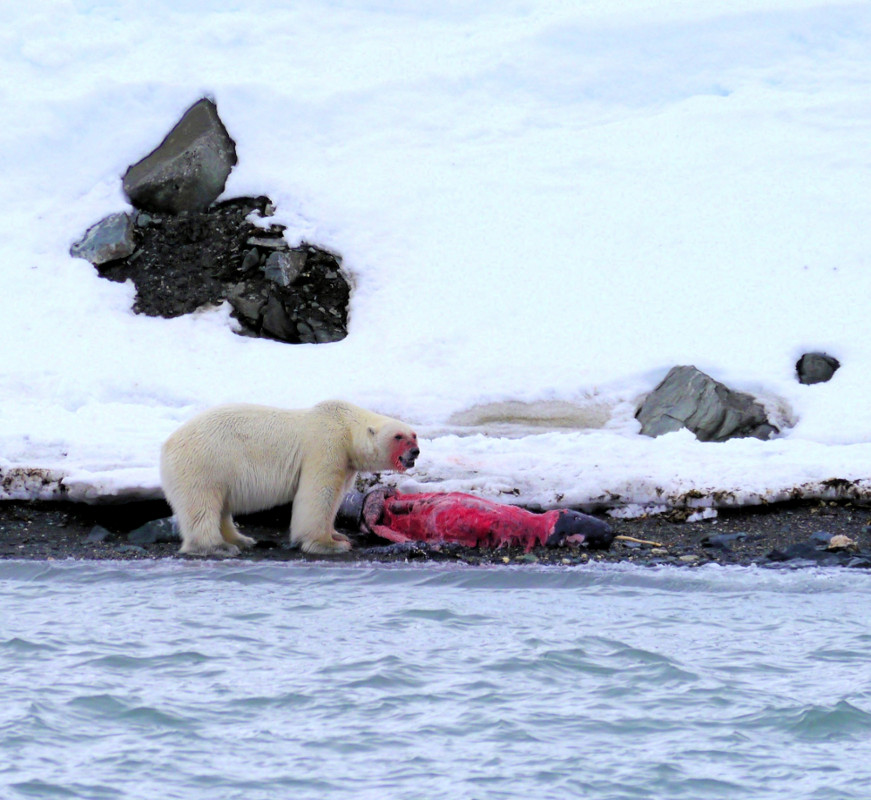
<point x="543" y="205"/>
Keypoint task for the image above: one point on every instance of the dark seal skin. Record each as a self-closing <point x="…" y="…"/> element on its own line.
<point x="573" y="527"/>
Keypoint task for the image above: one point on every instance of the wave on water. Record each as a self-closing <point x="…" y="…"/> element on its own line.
<point x="838" y="722"/>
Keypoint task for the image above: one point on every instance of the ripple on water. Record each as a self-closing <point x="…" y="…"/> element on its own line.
<point x="445" y="616"/>
<point x="116" y="661"/>
<point x="45" y="789"/>
<point x="123" y="712"/>
<point x="25" y="647"/>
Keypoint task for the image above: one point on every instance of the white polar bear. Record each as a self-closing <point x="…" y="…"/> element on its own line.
<point x="242" y="458"/>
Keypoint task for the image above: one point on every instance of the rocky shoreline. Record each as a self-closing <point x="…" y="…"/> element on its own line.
<point x="792" y="535"/>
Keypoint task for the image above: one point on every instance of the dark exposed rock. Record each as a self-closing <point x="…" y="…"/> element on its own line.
<point x="188" y="261"/>
<point x="284" y="268"/>
<point x="274" y="242"/>
<point x="109" y="239"/>
<point x="816" y="367"/>
<point x="805" y="551"/>
<point x="251" y="260"/>
<point x="98" y="534"/>
<point x="131" y="548"/>
<point x="820" y="538"/>
<point x="182" y="261"/>
<point x="723" y="541"/>
<point x="824" y="548"/>
<point x="689" y="398"/>
<point x="188" y="170"/>
<point x="154" y="532"/>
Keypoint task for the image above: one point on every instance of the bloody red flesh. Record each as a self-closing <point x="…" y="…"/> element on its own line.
<point x="455" y="517"/>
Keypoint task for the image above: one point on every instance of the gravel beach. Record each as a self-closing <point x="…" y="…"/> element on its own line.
<point x="793" y="535"/>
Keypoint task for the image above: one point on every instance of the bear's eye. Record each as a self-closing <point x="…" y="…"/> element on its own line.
<point x="398" y="437"/>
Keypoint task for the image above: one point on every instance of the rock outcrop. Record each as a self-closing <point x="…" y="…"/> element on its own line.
<point x="183" y="251"/>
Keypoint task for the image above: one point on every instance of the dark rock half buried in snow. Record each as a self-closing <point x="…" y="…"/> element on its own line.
<point x="816" y="367"/>
<point x="688" y="398"/>
<point x="188" y="170"/>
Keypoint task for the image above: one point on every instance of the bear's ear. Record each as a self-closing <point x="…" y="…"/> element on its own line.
<point x="371" y="431"/>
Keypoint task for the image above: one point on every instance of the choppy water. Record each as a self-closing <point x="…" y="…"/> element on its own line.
<point x="222" y="680"/>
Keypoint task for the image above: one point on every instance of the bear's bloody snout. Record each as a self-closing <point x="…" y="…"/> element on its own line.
<point x="408" y="458"/>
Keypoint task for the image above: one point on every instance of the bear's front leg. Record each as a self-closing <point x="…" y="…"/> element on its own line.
<point x="314" y="511"/>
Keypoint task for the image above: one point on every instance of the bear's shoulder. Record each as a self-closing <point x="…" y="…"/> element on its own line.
<point x="344" y="412"/>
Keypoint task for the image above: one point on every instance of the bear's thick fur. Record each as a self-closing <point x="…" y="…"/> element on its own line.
<point x="236" y="459"/>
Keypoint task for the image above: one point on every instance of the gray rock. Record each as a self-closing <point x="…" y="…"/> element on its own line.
<point x="188" y="170"/>
<point x="98" y="534"/>
<point x="130" y="548"/>
<point x="277" y="323"/>
<point x="804" y="551"/>
<point x="154" y="532"/>
<point x="268" y="242"/>
<point x="688" y="398"/>
<point x="284" y="268"/>
<point x="816" y="367"/>
<point x="248" y="304"/>
<point x="326" y="335"/>
<point x="306" y="334"/>
<point x="110" y="239"/>
<point x="723" y="541"/>
<point x="251" y="260"/>
<point x="821" y="538"/>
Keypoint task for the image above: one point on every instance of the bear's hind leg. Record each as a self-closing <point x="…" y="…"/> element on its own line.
<point x="231" y="534"/>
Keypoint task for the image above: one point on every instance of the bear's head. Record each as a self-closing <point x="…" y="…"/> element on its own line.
<point x="394" y="445"/>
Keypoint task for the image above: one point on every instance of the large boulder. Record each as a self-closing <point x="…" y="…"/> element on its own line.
<point x="688" y="398"/>
<point x="816" y="367"/>
<point x="188" y="170"/>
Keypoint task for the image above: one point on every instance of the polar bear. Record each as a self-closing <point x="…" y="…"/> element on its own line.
<point x="240" y="458"/>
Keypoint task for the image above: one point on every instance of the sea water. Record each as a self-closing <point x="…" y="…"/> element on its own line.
<point x="232" y="680"/>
